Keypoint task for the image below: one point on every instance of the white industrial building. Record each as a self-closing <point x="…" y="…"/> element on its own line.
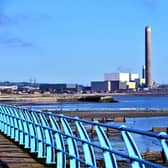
<point x="116" y="81"/>
<point x="121" y="77"/>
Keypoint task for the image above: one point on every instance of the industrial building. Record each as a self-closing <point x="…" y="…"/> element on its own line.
<point x="119" y="81"/>
<point x="116" y="82"/>
<point x="58" y="88"/>
<point x="107" y="86"/>
<point x="122" y="77"/>
<point x="100" y="86"/>
<point x="133" y="77"/>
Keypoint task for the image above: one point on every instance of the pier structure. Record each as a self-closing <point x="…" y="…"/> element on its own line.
<point x="63" y="141"/>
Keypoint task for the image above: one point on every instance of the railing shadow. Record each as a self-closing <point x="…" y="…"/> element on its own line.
<point x="3" y="164"/>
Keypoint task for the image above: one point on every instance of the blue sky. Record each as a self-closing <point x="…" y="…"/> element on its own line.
<point x="77" y="41"/>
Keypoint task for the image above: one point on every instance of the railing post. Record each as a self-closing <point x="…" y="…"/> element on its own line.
<point x="12" y="129"/>
<point x="7" y="123"/>
<point x="60" y="146"/>
<point x="21" y="127"/>
<point x="88" y="150"/>
<point x="2" y="119"/>
<point x="132" y="148"/>
<point x="110" y="159"/>
<point x="72" y="145"/>
<point x="31" y="131"/>
<point x="16" y="125"/>
<point x="39" y="136"/>
<point x="50" y="151"/>
<point x="164" y="143"/>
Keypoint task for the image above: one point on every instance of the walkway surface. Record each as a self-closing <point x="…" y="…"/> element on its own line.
<point x="12" y="156"/>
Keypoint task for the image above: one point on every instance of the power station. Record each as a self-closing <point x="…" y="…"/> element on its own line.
<point x="129" y="81"/>
<point x="148" y="58"/>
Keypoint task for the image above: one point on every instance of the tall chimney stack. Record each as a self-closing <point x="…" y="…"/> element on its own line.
<point x="143" y="72"/>
<point x="148" y="58"/>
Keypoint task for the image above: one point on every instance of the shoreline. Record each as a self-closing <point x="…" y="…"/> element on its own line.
<point x="68" y="97"/>
<point x="23" y="100"/>
<point x="113" y="114"/>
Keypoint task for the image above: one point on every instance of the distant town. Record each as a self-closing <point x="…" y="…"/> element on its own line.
<point x="112" y="83"/>
<point x="115" y="82"/>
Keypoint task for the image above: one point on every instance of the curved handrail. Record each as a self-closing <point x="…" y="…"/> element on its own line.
<point x="52" y="136"/>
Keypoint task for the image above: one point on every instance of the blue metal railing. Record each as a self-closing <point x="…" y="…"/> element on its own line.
<point x="65" y="141"/>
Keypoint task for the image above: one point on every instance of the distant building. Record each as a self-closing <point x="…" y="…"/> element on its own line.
<point x="122" y="81"/>
<point x="58" y="88"/>
<point x="100" y="86"/>
<point x="133" y="77"/>
<point x="28" y="89"/>
<point x="117" y="85"/>
<point x="131" y="85"/>
<point x="122" y="77"/>
<point x="140" y="83"/>
<point x="107" y="86"/>
<point x="8" y="87"/>
<point x="84" y="89"/>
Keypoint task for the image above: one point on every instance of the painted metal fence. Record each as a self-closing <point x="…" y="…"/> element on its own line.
<point x="66" y="142"/>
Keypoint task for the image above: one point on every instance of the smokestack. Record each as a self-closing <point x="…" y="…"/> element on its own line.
<point x="143" y="72"/>
<point x="148" y="58"/>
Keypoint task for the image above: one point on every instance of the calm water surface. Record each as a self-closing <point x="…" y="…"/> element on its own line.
<point x="125" y="103"/>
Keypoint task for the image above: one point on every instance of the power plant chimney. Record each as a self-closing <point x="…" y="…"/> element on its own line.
<point x="143" y="72"/>
<point x="148" y="58"/>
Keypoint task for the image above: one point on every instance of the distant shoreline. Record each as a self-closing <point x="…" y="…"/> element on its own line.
<point x="49" y="99"/>
<point x="67" y="97"/>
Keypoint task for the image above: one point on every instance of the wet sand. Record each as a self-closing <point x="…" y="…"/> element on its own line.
<point x="112" y="114"/>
